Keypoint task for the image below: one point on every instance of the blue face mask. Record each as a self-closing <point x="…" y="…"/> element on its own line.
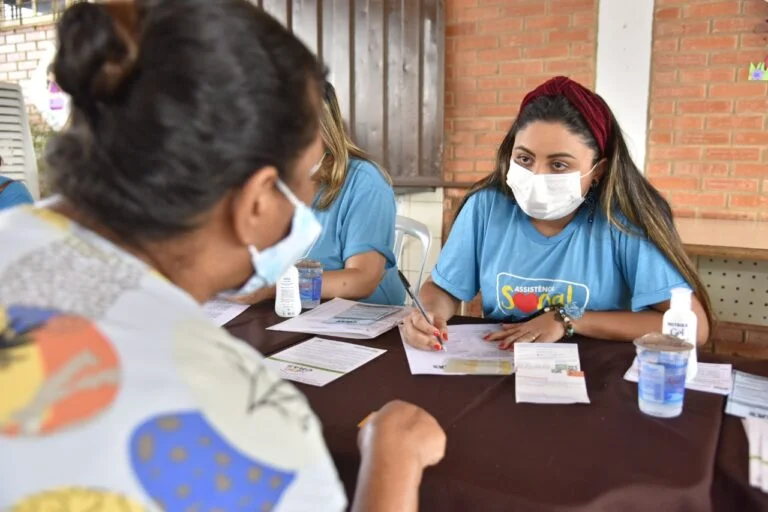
<point x="271" y="263"/>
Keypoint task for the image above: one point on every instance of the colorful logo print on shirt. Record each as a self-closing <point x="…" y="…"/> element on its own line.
<point x="78" y="500"/>
<point x="184" y="464"/>
<point x="522" y="296"/>
<point x="61" y="369"/>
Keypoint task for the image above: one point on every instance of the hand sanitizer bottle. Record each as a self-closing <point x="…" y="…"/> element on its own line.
<point x="680" y="321"/>
<point x="287" y="297"/>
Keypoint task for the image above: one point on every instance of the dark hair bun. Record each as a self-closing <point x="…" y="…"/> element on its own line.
<point x="98" y="48"/>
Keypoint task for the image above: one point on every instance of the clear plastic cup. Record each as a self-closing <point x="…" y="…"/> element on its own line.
<point x="310" y="282"/>
<point x="662" y="362"/>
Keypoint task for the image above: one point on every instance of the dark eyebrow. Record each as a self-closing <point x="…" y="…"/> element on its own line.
<point x="553" y="155"/>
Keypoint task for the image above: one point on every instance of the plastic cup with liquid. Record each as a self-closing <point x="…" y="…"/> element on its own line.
<point x="662" y="362"/>
<point x="310" y="282"/>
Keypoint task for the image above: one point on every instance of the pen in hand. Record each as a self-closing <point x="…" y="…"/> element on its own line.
<point x="418" y="305"/>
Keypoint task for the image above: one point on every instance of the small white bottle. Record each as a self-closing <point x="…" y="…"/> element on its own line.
<point x="288" y="298"/>
<point x="680" y="321"/>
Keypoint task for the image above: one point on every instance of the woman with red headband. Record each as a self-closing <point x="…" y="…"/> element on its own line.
<point x="565" y="237"/>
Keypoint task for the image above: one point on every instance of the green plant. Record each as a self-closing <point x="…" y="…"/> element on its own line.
<point x="41" y="134"/>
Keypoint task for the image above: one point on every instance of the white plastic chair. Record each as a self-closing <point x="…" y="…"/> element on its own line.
<point x="405" y="226"/>
<point x="16" y="147"/>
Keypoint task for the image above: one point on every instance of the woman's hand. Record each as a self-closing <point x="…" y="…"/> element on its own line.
<point x="255" y="297"/>
<point x="544" y="328"/>
<point x="420" y="334"/>
<point x="403" y="432"/>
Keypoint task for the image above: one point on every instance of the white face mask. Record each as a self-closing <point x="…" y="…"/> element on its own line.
<point x="546" y="196"/>
<point x="317" y="166"/>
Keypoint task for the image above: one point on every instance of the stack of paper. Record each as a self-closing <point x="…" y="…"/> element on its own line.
<point x="345" y="319"/>
<point x="549" y="373"/>
<point x="710" y="378"/>
<point x="318" y="362"/>
<point x="222" y="311"/>
<point x="757" y="436"/>
<point x="749" y="396"/>
<point x="466" y="353"/>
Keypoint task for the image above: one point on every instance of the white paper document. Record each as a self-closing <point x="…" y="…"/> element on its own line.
<point x="318" y="362"/>
<point x="757" y="438"/>
<point x="222" y="311"/>
<point x="345" y="319"/>
<point x="549" y="373"/>
<point x="466" y="353"/>
<point x="710" y="378"/>
<point x="749" y="396"/>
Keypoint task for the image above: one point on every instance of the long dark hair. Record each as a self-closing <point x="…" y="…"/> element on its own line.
<point x="175" y="103"/>
<point x="623" y="189"/>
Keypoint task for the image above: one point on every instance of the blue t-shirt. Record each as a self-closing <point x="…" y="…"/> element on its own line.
<point x="14" y="194"/>
<point x="361" y="219"/>
<point x="495" y="249"/>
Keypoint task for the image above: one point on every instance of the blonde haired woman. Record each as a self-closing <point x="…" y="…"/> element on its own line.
<point x="355" y="203"/>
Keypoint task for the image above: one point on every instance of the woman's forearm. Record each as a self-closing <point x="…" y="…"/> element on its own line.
<point x="437" y="301"/>
<point x="349" y="283"/>
<point x="617" y="325"/>
<point x="387" y="483"/>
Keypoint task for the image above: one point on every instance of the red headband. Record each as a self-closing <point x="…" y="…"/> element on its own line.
<point x="591" y="106"/>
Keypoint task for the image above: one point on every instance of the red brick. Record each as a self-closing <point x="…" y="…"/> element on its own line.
<point x="677" y="123"/>
<point x="740" y="25"/>
<point x="730" y="185"/>
<point x="751" y="106"/>
<point x="677" y="28"/>
<point x="668" y="13"/>
<point x="584" y="50"/>
<point x="703" y="138"/>
<point x="735" y="122"/>
<point x="460" y="111"/>
<point x="748" y="169"/>
<point x="476" y="98"/>
<point x="509" y="111"/>
<point x="461" y="29"/>
<point x="457" y="166"/>
<point x="709" y="43"/>
<point x="485" y="166"/>
<point x="493" y="138"/>
<point x="757" y="336"/>
<point x="707" y="75"/>
<point x="758" y="8"/>
<point x="581" y="19"/>
<point x="675" y="183"/>
<point x="668" y="44"/>
<point x="566" y="67"/>
<point x="664" y="78"/>
<point x="472" y="125"/>
<point x="500" y="26"/>
<point x="461" y="84"/>
<point x="698" y="199"/>
<point x="705" y="107"/>
<point x="732" y="153"/>
<point x="572" y="36"/>
<point x="460" y="58"/>
<point x="547" y="52"/>
<point x="499" y="55"/>
<point x="523" y="39"/>
<point x="520" y="9"/>
<point x="741" y="58"/>
<point x="470" y="152"/>
<point x="546" y="22"/>
<point x="662" y="107"/>
<point x="476" y="42"/>
<point x="712" y="10"/>
<point x="523" y="68"/>
<point x="751" y="138"/>
<point x="674" y="61"/>
<point x="482" y="69"/>
<point x="728" y="215"/>
<point x="738" y="90"/>
<point x="479" y="13"/>
<point x="500" y="83"/>
<point x="689" y="91"/>
<point x="658" y="169"/>
<point x="572" y="5"/>
<point x="744" y="201"/>
<point x="683" y="212"/>
<point x="700" y="169"/>
<point x="753" y="41"/>
<point x="657" y="137"/>
<point x="674" y="153"/>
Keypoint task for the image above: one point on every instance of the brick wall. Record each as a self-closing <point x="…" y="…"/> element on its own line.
<point x="20" y="52"/>
<point x="708" y="141"/>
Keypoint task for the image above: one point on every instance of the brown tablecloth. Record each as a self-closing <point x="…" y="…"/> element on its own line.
<point x="507" y="456"/>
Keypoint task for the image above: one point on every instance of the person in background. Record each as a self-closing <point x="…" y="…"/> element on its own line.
<point x="565" y="237"/>
<point x="355" y="203"/>
<point x="13" y="193"/>
<point x="184" y="174"/>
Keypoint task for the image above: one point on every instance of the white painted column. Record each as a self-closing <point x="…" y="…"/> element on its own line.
<point x="624" y="44"/>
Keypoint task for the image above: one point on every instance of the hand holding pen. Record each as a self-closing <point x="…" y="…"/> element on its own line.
<point x="422" y="329"/>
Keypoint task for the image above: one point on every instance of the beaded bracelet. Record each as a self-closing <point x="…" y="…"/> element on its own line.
<point x="562" y="316"/>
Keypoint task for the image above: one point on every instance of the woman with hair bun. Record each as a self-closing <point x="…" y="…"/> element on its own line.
<point x="184" y="174"/>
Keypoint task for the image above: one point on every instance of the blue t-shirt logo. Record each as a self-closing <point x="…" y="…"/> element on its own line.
<point x="521" y="296"/>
